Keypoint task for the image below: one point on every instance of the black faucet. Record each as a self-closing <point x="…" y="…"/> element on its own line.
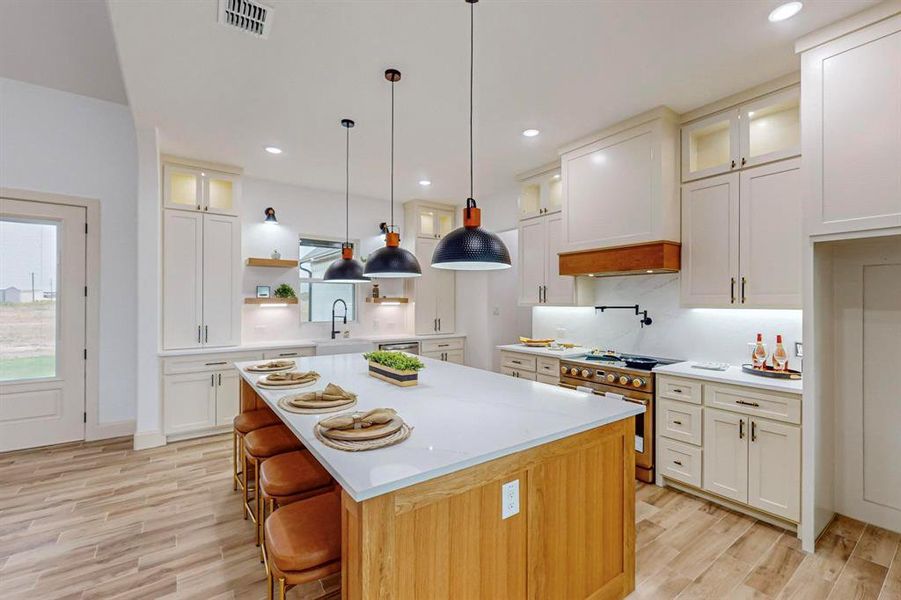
<point x="334" y="304"/>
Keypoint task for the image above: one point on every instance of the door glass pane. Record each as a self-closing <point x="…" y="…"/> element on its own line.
<point x="445" y="223"/>
<point x="220" y="193"/>
<point x="183" y="188"/>
<point x="709" y="146"/>
<point x="774" y="128"/>
<point x="555" y="193"/>
<point x="28" y="299"/>
<point x="427" y="223"/>
<point x="529" y="199"/>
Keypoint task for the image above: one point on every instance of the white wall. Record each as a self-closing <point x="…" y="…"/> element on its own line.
<point x="56" y="142"/>
<point x="685" y="333"/>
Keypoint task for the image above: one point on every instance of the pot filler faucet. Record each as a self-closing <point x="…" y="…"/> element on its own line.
<point x="334" y="304"/>
<point x="645" y="319"/>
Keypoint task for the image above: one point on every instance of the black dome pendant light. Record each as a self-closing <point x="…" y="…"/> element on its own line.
<point x="346" y="269"/>
<point x="471" y="248"/>
<point x="392" y="261"/>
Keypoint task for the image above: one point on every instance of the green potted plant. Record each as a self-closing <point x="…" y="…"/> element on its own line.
<point x="398" y="368"/>
<point x="285" y="291"/>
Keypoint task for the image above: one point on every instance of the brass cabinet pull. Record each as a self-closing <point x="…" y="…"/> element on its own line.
<point x="212" y="380"/>
<point x="206" y="334"/>
<point x="743" y="161"/>
<point x="677" y="422"/>
<point x="741" y="429"/>
<point x="199" y="329"/>
<point x="677" y="390"/>
<point x="753" y="431"/>
<point x="743" y="282"/>
<point x="733" y="164"/>
<point x="220" y="379"/>
<point x="678" y="462"/>
<point x="218" y="362"/>
<point x="439" y="323"/>
<point x="288" y="354"/>
<point x="744" y="403"/>
<point x="732" y="291"/>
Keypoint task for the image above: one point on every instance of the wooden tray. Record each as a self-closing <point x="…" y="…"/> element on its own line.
<point x="369" y="433"/>
<point x="769" y="372"/>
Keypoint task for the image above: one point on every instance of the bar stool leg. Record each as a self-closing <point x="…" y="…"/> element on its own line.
<point x="248" y="509"/>
<point x="257" y="496"/>
<point x="234" y="460"/>
<point x="281" y="588"/>
<point x="263" y="514"/>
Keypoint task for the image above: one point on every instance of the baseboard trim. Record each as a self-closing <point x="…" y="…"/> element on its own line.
<point x="179" y="437"/>
<point x="113" y="429"/>
<point x="149" y="439"/>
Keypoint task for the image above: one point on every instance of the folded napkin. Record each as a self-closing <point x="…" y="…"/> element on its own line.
<point x="377" y="416"/>
<point x="290" y="378"/>
<point x="332" y="394"/>
<point x="276" y="364"/>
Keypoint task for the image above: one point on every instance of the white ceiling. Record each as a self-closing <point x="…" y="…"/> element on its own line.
<point x="61" y="44"/>
<point x="566" y="68"/>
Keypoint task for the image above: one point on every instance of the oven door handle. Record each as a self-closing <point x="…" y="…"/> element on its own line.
<point x="636" y="400"/>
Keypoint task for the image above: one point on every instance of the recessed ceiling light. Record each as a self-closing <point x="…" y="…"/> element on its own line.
<point x="273" y="149"/>
<point x="425" y="182"/>
<point x="530" y="132"/>
<point x="785" y="11"/>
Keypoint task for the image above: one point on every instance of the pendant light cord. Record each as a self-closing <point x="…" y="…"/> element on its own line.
<point x="392" y="156"/>
<point x="347" y="188"/>
<point x="472" y="7"/>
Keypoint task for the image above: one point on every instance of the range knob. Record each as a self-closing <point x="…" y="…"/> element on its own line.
<point x="586" y="373"/>
<point x="564" y="370"/>
<point x="574" y="371"/>
<point x="623" y="380"/>
<point x="611" y="377"/>
<point x="637" y="382"/>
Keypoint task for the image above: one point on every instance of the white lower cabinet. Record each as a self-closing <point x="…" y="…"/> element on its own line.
<point x="542" y="369"/>
<point x="189" y="402"/>
<point x="726" y="449"/>
<point x="531" y="376"/>
<point x="228" y="397"/>
<point x="774" y="468"/>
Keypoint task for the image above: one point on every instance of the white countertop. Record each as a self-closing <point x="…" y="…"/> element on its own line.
<point x="733" y="375"/>
<point x="559" y="353"/>
<point x="460" y="417"/>
<point x="308" y="343"/>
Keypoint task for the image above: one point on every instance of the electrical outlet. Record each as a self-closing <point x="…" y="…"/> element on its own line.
<point x="799" y="349"/>
<point x="510" y="499"/>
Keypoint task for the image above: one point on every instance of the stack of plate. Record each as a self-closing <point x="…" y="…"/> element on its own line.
<point x="332" y="399"/>
<point x="271" y="366"/>
<point x="358" y="431"/>
<point x="288" y="380"/>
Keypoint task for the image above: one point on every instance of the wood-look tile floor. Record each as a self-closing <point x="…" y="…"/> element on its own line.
<point x="99" y="520"/>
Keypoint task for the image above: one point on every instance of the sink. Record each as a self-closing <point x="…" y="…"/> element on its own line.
<point x="343" y="346"/>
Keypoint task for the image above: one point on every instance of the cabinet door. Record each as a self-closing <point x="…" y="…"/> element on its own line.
<point x="227" y="397"/>
<point x="532" y="259"/>
<point x="710" y="212"/>
<point x="770" y="128"/>
<point x="560" y="289"/>
<point x="220" y="193"/>
<point x="552" y="201"/>
<point x="771" y="236"/>
<point x="182" y="279"/>
<point x="436" y="355"/>
<point x="454" y="356"/>
<point x="851" y="116"/>
<point x="710" y="146"/>
<point x="726" y="454"/>
<point x="221" y="280"/>
<point x="445" y="300"/>
<point x="189" y="402"/>
<point x="774" y="468"/>
<point x="530" y="199"/>
<point x="426" y="290"/>
<point x="182" y="188"/>
<point x="434" y="223"/>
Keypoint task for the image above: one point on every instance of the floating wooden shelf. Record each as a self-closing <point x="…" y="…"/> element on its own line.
<point x="387" y="300"/>
<point x="279" y="263"/>
<point x="270" y="300"/>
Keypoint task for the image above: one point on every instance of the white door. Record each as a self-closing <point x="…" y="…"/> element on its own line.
<point x="221" y="280"/>
<point x="227" y="397"/>
<point x="445" y="300"/>
<point x="560" y="289"/>
<point x="774" y="468"/>
<point x="710" y="146"/>
<point x="182" y="188"/>
<point x="182" y="279"/>
<point x="426" y="290"/>
<point x="771" y="236"/>
<point x="189" y="402"/>
<point x="710" y="215"/>
<point x="726" y="454"/>
<point x="42" y="323"/>
<point x="532" y="249"/>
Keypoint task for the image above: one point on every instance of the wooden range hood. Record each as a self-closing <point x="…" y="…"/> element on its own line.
<point x="636" y="259"/>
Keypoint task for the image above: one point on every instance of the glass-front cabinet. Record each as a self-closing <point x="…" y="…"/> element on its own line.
<point x="430" y="220"/>
<point x="190" y="188"/>
<point x="758" y="132"/>
<point x="541" y="194"/>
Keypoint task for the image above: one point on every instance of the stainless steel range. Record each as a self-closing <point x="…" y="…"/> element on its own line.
<point x="629" y="376"/>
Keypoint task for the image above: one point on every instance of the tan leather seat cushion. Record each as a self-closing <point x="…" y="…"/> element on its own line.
<point x="256" y="419"/>
<point x="292" y="473"/>
<point x="305" y="534"/>
<point x="269" y="441"/>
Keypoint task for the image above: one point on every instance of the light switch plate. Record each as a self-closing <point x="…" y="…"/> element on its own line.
<point x="510" y="499"/>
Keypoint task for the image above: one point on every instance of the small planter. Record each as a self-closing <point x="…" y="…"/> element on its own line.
<point x="401" y="378"/>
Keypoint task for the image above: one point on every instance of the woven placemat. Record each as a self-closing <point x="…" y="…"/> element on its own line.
<point x="284" y="405"/>
<point x="262" y="368"/>
<point x="389" y="440"/>
<point x="293" y="386"/>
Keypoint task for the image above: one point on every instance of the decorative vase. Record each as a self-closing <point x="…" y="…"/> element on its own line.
<point x="276" y="254"/>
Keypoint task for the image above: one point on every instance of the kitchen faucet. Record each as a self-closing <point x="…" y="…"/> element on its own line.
<point x="334" y="304"/>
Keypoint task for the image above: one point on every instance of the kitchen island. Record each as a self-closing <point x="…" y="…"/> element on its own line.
<point x="423" y="519"/>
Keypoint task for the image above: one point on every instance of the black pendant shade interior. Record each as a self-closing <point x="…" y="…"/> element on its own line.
<point x="392" y="261"/>
<point x="346" y="269"/>
<point x="471" y="248"/>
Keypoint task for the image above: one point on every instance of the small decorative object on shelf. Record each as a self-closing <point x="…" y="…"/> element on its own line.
<point x="276" y="255"/>
<point x="375" y="290"/>
<point x="264" y="291"/>
<point x="758" y="357"/>
<point x="780" y="357"/>
<point x="285" y="291"/>
<point x="397" y="368"/>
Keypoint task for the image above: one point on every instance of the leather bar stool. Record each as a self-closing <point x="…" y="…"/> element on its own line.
<point x="258" y="446"/>
<point x="244" y="424"/>
<point x="288" y="478"/>
<point x="303" y="542"/>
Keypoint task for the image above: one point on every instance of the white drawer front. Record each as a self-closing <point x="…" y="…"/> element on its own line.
<point x="679" y="421"/>
<point x="548" y="366"/>
<point x="289" y="352"/>
<point x="679" y="461"/>
<point x="550" y="380"/>
<point x="676" y="388"/>
<point x="520" y="362"/>
<point x="206" y="362"/>
<point x="442" y="345"/>
<point x="772" y="405"/>
<point x="518" y="374"/>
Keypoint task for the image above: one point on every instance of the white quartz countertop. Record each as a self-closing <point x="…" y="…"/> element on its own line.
<point x="460" y="417"/>
<point x="559" y="353"/>
<point x="309" y="343"/>
<point x="733" y="375"/>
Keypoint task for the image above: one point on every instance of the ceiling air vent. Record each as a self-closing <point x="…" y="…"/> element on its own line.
<point x="246" y="15"/>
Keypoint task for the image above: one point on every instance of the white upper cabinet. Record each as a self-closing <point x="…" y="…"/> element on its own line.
<point x="622" y="187"/>
<point x="532" y="259"/>
<point x="540" y="282"/>
<point x="434" y="293"/>
<point x="221" y="281"/>
<point x="425" y="220"/>
<point x="852" y="130"/>
<point x="761" y="131"/>
<point x="202" y="190"/>
<point x="541" y="194"/>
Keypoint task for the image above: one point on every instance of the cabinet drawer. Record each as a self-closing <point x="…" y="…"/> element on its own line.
<point x="548" y="366"/>
<point x="442" y="345"/>
<point x="772" y="405"/>
<point x="206" y="362"/>
<point x="289" y="352"/>
<point x="679" y="461"/>
<point x="520" y="362"/>
<point x="548" y="379"/>
<point x="519" y="374"/>
<point x="675" y="388"/>
<point x="679" y="421"/>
